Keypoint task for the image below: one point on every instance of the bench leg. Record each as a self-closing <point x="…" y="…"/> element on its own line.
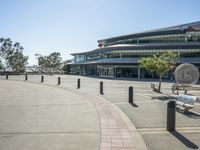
<point x="177" y="92"/>
<point x="185" y="92"/>
<point x="186" y="110"/>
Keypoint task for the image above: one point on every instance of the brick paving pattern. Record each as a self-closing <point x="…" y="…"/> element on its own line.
<point x="114" y="132"/>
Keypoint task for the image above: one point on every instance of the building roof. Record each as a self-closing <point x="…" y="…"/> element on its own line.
<point x="128" y="61"/>
<point x="109" y="61"/>
<point x="153" y="46"/>
<point x="178" y="29"/>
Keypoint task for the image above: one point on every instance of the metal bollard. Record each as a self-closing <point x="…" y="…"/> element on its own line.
<point x="6" y="76"/>
<point x="101" y="87"/>
<point x="78" y="84"/>
<point x="26" y="77"/>
<point x="171" y="116"/>
<point x="58" y="80"/>
<point x="130" y="94"/>
<point x="42" y="78"/>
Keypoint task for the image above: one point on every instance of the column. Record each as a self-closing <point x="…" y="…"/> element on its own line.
<point x="138" y="72"/>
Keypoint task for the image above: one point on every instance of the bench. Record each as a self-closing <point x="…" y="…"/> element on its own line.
<point x="185" y="102"/>
<point x="195" y="87"/>
<point x="154" y="88"/>
<point x="177" y="87"/>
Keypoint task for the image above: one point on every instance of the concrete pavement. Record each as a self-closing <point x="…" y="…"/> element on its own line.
<point x="149" y="117"/>
<point x="39" y="116"/>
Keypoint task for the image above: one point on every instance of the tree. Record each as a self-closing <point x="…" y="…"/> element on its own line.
<point x="1" y="65"/>
<point x="12" y="55"/>
<point x="67" y="68"/>
<point x="159" y="64"/>
<point x="51" y="62"/>
<point x="18" y="61"/>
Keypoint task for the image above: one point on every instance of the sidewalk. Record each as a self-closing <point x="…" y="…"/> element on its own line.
<point x="117" y="131"/>
<point x="42" y="117"/>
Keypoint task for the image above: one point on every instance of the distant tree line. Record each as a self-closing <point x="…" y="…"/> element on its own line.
<point x="13" y="59"/>
<point x="52" y="63"/>
<point x="11" y="56"/>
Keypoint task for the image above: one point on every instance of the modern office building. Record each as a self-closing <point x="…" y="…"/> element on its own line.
<point x="119" y="56"/>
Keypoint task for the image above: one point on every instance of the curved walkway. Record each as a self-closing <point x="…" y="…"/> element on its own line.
<point x="99" y="126"/>
<point x="117" y="131"/>
<point x="40" y="117"/>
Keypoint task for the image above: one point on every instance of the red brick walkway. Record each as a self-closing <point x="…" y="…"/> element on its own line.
<point x="114" y="132"/>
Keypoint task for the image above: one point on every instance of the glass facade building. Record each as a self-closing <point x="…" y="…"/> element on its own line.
<point x="118" y="57"/>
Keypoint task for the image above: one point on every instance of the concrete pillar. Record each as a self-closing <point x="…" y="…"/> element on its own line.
<point x="101" y="87"/>
<point x="58" y="80"/>
<point x="42" y="78"/>
<point x="171" y="116"/>
<point x="78" y="83"/>
<point x="178" y="55"/>
<point x="130" y="94"/>
<point x="138" y="72"/>
<point x="186" y="38"/>
<point x="114" y="71"/>
<point x="26" y="77"/>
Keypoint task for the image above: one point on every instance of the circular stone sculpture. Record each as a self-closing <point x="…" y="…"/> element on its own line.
<point x="186" y="74"/>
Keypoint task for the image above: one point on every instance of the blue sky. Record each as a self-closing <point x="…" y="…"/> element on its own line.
<point x="70" y="26"/>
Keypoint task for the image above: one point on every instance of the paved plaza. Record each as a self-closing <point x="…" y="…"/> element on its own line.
<point x="35" y="115"/>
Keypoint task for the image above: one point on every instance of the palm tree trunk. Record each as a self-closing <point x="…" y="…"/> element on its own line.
<point x="160" y="77"/>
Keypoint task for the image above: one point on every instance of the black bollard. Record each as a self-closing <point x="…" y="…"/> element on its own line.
<point x="6" y="76"/>
<point x="26" y="77"/>
<point x="78" y="84"/>
<point x="130" y="94"/>
<point x="42" y="78"/>
<point x="58" y="80"/>
<point x="101" y="87"/>
<point x="171" y="116"/>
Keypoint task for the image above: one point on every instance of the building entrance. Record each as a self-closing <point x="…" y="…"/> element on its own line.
<point x="106" y="71"/>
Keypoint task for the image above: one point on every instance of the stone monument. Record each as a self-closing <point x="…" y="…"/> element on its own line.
<point x="186" y="74"/>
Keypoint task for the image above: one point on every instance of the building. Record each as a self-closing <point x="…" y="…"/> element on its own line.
<point x="118" y="57"/>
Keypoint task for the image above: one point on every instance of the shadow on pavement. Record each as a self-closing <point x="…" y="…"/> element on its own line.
<point x="184" y="140"/>
<point x="190" y="114"/>
<point x="164" y="98"/>
<point x="134" y="105"/>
